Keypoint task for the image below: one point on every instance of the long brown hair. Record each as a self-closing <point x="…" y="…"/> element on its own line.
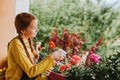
<point x="22" y="21"/>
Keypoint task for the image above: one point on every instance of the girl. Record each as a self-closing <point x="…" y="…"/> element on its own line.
<point x="22" y="55"/>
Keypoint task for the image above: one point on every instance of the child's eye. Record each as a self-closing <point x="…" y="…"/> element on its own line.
<point x="34" y="28"/>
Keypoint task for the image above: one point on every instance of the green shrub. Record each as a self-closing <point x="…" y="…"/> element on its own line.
<point x="107" y="69"/>
<point x="92" y="20"/>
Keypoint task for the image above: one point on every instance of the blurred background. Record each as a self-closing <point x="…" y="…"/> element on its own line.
<point x="92" y="18"/>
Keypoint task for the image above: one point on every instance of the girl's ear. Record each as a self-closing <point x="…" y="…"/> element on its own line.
<point x="22" y="31"/>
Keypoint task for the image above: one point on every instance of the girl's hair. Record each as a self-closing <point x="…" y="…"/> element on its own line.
<point x="22" y="21"/>
<point x="36" y="56"/>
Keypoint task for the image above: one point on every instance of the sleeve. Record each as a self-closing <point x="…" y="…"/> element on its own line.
<point x="23" y="61"/>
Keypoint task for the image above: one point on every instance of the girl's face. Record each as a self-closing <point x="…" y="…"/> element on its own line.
<point x="31" y="30"/>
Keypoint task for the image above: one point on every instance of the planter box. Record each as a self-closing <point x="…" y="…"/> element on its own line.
<point x="56" y="76"/>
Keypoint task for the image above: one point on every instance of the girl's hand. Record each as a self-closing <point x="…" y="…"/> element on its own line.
<point x="59" y="55"/>
<point x="47" y="73"/>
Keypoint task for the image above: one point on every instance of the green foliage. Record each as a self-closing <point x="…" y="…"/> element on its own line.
<point x="107" y="69"/>
<point x="93" y="20"/>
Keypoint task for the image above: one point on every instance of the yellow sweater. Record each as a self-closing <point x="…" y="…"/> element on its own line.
<point x="19" y="62"/>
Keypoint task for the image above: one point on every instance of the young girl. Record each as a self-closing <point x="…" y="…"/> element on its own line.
<point x="22" y="55"/>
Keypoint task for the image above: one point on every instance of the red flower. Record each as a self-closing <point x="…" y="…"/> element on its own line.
<point x="62" y="67"/>
<point x="68" y="66"/>
<point x="75" y="59"/>
<point x="52" y="44"/>
<point x="72" y="61"/>
<point x="93" y="48"/>
<point x="99" y="41"/>
<point x="82" y="41"/>
<point x="65" y="67"/>
<point x="39" y="47"/>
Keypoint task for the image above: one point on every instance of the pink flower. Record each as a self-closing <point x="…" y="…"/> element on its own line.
<point x="72" y="61"/>
<point x="94" y="57"/>
<point x="68" y="66"/>
<point x="75" y="59"/>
